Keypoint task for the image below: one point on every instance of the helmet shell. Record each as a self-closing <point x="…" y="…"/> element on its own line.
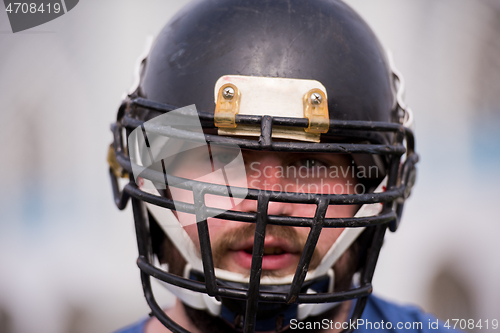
<point x="323" y="40"/>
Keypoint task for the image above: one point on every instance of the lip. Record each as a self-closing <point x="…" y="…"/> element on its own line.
<point x="290" y="256"/>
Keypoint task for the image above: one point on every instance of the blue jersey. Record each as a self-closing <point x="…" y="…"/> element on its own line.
<point x="378" y="316"/>
<point x="382" y="316"/>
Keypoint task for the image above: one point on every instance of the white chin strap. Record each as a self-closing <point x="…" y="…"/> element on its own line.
<point x="201" y="301"/>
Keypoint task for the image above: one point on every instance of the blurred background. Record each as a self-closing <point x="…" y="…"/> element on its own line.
<point x="67" y="255"/>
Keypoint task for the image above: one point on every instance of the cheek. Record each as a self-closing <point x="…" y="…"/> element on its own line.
<point x="328" y="235"/>
<point x="341" y="211"/>
<point x="327" y="238"/>
<point x="216" y="228"/>
<point x="333" y="211"/>
<point x="213" y="201"/>
<point x="180" y="195"/>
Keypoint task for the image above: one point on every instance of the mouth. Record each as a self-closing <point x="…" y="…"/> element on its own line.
<point x="278" y="255"/>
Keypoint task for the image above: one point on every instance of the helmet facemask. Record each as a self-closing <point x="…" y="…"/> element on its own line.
<point x="200" y="274"/>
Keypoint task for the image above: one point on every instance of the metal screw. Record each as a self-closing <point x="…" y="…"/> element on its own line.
<point x="315" y="98"/>
<point x="228" y="93"/>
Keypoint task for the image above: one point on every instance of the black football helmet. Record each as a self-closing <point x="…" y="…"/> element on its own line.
<point x="215" y="54"/>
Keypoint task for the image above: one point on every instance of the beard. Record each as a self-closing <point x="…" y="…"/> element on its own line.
<point x="344" y="268"/>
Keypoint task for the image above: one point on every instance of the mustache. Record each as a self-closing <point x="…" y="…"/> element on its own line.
<point x="231" y="238"/>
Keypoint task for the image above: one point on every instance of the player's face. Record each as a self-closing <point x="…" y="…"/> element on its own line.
<point x="232" y="242"/>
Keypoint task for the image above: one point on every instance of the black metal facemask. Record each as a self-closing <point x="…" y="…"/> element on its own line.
<point x="400" y="179"/>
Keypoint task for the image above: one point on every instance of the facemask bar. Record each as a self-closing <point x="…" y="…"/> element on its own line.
<point x="394" y="192"/>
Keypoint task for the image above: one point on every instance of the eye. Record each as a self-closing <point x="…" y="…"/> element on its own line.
<point x="310" y="163"/>
<point x="223" y="157"/>
<point x="308" y="168"/>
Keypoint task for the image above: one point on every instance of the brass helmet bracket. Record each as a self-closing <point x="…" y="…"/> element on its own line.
<point x="276" y="97"/>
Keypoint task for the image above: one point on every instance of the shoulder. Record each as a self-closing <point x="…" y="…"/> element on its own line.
<point x="378" y="308"/>
<point x="138" y="327"/>
<point x="387" y="316"/>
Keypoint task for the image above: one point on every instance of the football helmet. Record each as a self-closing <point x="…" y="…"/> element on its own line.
<point x="265" y="76"/>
